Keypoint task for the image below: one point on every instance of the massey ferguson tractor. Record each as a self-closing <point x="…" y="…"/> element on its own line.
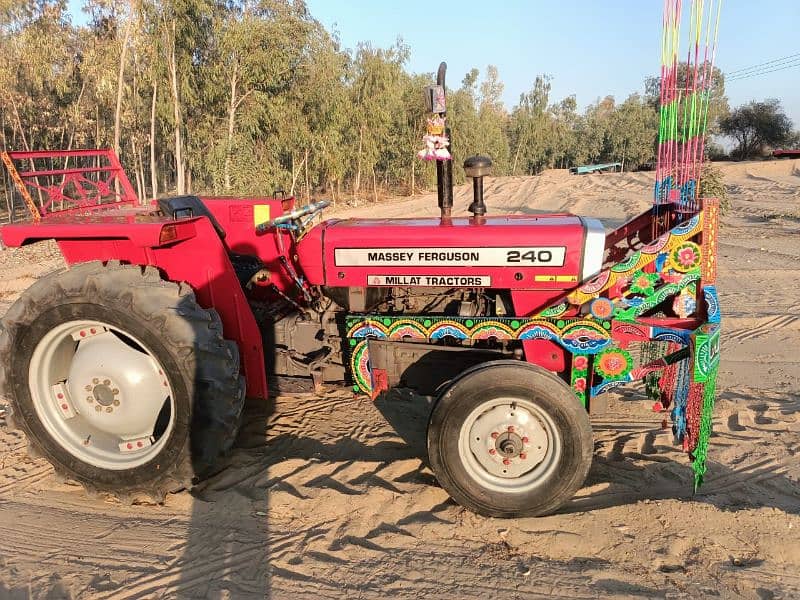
<point x="129" y="369"/>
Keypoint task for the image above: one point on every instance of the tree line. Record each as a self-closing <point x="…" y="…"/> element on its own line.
<point x="250" y="96"/>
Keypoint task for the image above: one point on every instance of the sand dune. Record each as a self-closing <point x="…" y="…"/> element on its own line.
<point x="328" y="496"/>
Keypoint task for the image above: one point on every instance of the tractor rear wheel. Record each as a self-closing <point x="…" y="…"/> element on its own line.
<point x="120" y="379"/>
<point x="509" y="439"/>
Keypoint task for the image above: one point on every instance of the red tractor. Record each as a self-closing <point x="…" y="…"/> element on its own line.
<point x="128" y="371"/>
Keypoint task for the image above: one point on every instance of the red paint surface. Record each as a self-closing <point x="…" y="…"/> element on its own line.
<point x="462" y="233"/>
<point x="202" y="262"/>
<point x="545" y="353"/>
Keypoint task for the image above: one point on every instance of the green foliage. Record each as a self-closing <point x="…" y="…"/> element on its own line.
<point x="718" y="107"/>
<point x="712" y="185"/>
<point x="247" y="96"/>
<point x="756" y="125"/>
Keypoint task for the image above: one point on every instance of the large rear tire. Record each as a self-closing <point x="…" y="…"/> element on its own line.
<point x="509" y="439"/>
<point x="120" y="379"/>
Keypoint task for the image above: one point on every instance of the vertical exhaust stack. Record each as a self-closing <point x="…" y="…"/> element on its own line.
<point x="444" y="169"/>
<point x="477" y="167"/>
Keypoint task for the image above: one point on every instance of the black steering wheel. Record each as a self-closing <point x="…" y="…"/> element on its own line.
<point x="290" y="220"/>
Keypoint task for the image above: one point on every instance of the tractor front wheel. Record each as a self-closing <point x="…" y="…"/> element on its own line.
<point x="509" y="439"/>
<point x="120" y="379"/>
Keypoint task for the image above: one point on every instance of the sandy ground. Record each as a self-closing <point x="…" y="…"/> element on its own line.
<point x="327" y="496"/>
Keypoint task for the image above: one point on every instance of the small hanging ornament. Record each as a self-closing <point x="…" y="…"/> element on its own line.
<point x="435" y="140"/>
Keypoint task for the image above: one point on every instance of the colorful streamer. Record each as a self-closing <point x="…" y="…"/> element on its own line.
<point x="685" y="94"/>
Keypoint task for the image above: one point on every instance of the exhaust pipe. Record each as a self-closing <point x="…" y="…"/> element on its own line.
<point x="444" y="169"/>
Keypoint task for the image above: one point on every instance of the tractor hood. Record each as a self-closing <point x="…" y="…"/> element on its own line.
<point x="510" y="252"/>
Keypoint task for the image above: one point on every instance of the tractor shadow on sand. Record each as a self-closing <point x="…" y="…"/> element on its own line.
<point x="238" y="545"/>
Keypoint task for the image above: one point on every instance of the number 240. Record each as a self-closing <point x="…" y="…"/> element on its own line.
<point x="533" y="256"/>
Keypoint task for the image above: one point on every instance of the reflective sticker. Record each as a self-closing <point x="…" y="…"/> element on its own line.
<point x="560" y="278"/>
<point x="87" y="332"/>
<point x="61" y="398"/>
<point x="260" y="214"/>
<point x="134" y="445"/>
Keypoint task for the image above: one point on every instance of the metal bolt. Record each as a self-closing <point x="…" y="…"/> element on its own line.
<point x="98" y="408"/>
<point x="494" y="435"/>
<point x="95" y="381"/>
<point x="109" y="409"/>
<point x="139" y="444"/>
<point x="492" y="451"/>
<point x="506" y="461"/>
<point x="60" y="396"/>
<point x="88" y="388"/>
<point x="65" y="406"/>
<point x="115" y="391"/>
<point x="523" y="456"/>
<point x="106" y="382"/>
<point x="510" y="429"/>
<point x="83" y="334"/>
<point x="116" y="402"/>
<point x="525" y="440"/>
<point x="89" y="399"/>
<point x="129" y="446"/>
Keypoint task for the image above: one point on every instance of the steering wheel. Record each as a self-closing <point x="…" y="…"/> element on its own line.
<point x="290" y="220"/>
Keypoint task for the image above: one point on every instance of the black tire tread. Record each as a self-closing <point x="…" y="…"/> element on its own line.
<point x="208" y="361"/>
<point x="563" y="488"/>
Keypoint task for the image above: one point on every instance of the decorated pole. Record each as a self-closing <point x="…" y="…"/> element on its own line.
<point x="437" y="141"/>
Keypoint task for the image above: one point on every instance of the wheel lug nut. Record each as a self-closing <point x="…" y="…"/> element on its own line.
<point x="510" y="429"/>
<point x="106" y="382"/>
<point x="494" y="435"/>
<point x="523" y="456"/>
<point x="109" y="409"/>
<point x="89" y="399"/>
<point x="492" y="451"/>
<point x="506" y="461"/>
<point x="88" y="388"/>
<point x="95" y="381"/>
<point x="525" y="440"/>
<point x="116" y="402"/>
<point x="98" y="408"/>
<point x="115" y="391"/>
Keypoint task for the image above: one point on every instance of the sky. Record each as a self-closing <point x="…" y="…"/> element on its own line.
<point x="589" y="48"/>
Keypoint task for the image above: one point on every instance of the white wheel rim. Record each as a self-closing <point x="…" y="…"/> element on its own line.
<point x="509" y="445"/>
<point x="99" y="397"/>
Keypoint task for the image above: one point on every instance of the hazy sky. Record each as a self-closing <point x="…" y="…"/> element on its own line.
<point x="590" y="48"/>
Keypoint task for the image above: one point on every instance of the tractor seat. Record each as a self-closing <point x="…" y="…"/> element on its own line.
<point x="182" y="207"/>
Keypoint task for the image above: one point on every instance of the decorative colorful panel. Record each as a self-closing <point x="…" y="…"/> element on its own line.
<point x="706" y="341"/>
<point x="623" y="273"/>
<point x="587" y="336"/>
<point x="710" y="234"/>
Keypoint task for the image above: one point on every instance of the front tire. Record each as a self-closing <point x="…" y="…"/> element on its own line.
<point x="120" y="379"/>
<point x="509" y="439"/>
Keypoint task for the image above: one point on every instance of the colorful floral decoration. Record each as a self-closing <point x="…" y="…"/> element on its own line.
<point x="685" y="304"/>
<point x="644" y="283"/>
<point x="580" y="362"/>
<point x="686" y="257"/>
<point x="613" y="363"/>
<point x="579" y="376"/>
<point x="601" y="308"/>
